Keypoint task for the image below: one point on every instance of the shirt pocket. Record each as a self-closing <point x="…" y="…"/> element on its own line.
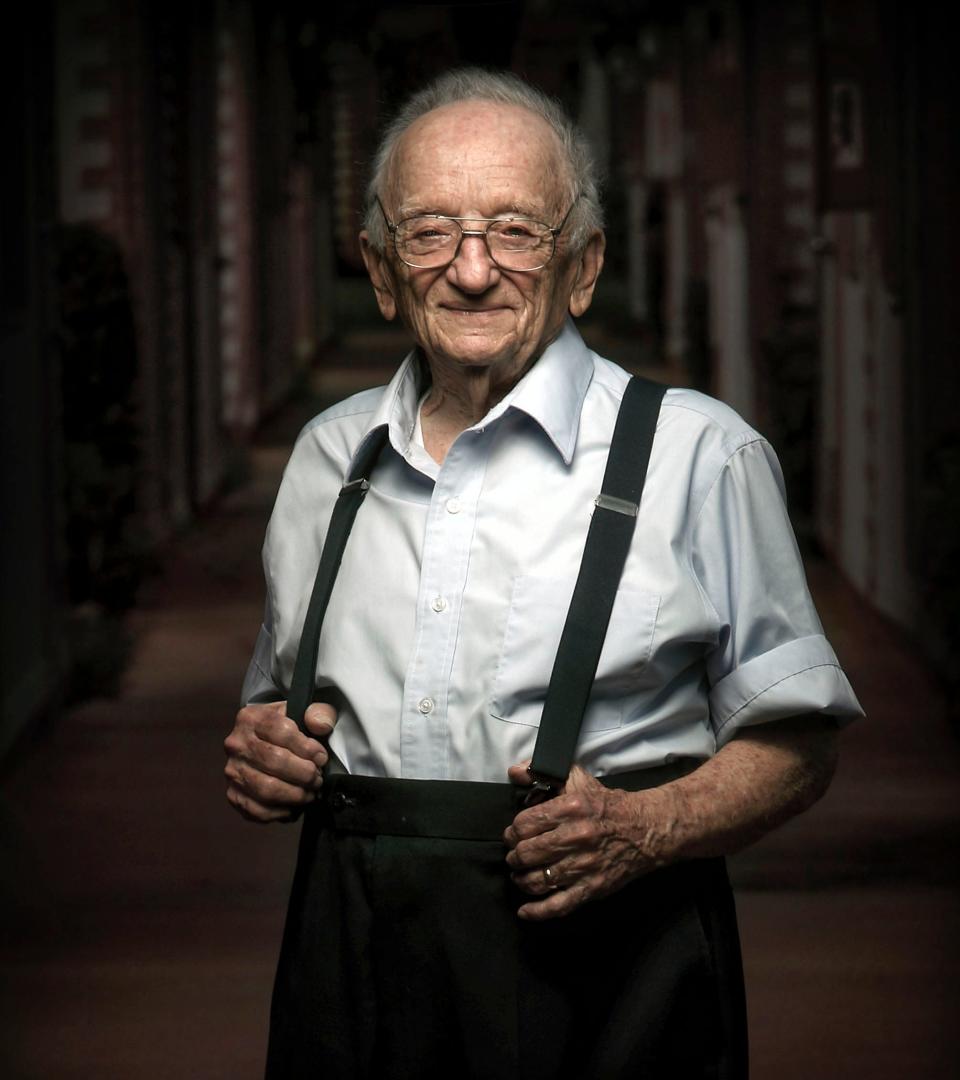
<point x="538" y="609"/>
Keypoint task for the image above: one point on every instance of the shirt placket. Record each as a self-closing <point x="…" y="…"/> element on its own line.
<point x="451" y="521"/>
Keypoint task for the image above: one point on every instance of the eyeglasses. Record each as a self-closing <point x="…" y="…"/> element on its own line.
<point x="430" y="241"/>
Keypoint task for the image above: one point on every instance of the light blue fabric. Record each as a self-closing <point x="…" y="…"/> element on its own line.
<point x="442" y="628"/>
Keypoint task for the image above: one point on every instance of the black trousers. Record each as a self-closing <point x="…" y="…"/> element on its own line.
<point x="403" y="957"/>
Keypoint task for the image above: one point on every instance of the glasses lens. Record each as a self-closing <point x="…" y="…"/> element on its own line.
<point x="427" y="241"/>
<point x="520" y="244"/>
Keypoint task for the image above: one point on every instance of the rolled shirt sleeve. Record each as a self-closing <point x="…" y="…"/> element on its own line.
<point x="772" y="659"/>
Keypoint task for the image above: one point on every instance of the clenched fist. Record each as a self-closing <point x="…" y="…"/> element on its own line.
<point x="273" y="770"/>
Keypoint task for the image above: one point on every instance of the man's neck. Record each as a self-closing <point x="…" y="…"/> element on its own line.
<point x="459" y="399"/>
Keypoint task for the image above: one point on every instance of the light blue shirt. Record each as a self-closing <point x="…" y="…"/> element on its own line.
<point x="442" y="628"/>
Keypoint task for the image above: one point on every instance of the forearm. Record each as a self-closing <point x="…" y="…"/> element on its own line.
<point x="595" y="839"/>
<point x="759" y="780"/>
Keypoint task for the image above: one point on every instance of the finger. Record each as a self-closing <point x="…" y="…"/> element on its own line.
<point x="542" y="880"/>
<point x="280" y="730"/>
<point x="268" y="791"/>
<point x="559" y="903"/>
<point x="569" y="839"/>
<point x="578" y="780"/>
<point x="545" y="817"/>
<point x="520" y="774"/>
<point x="320" y="719"/>
<point x="253" y="810"/>
<point x="534" y="820"/>
<point x="281" y="763"/>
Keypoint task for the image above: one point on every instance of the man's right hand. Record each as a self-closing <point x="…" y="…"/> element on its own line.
<point x="273" y="770"/>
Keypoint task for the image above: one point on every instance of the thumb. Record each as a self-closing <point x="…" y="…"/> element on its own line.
<point x="320" y="719"/>
<point x="518" y="774"/>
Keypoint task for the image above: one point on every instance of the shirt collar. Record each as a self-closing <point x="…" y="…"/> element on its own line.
<point x="397" y="408"/>
<point x="551" y="393"/>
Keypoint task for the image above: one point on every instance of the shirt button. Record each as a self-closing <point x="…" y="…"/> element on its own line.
<point x="453" y="505"/>
<point x="439" y="604"/>
<point x="425" y="705"/>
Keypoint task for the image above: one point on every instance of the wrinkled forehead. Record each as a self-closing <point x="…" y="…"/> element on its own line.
<point x="480" y="146"/>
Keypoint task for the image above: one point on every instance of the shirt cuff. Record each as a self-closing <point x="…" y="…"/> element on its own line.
<point x="802" y="676"/>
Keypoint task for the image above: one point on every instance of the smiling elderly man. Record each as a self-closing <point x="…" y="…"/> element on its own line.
<point x="442" y="919"/>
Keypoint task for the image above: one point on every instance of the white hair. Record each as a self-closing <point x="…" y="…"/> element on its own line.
<point x="504" y="88"/>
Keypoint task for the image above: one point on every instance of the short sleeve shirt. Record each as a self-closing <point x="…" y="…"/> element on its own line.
<point x="443" y="625"/>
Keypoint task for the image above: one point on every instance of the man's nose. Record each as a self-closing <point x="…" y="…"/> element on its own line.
<point x="473" y="270"/>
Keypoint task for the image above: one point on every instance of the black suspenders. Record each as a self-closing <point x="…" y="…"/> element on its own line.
<point x="341" y="522"/>
<point x="604" y="554"/>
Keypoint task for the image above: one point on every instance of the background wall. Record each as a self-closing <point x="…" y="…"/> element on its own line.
<point x="180" y="288"/>
<point x="182" y="195"/>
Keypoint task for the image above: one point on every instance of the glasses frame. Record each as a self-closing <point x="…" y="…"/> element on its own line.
<point x="554" y="233"/>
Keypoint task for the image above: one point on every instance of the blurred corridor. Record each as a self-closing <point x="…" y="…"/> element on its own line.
<point x="181" y="288"/>
<point x="145" y="915"/>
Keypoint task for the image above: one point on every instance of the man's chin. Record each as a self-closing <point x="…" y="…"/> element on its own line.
<point x="477" y="350"/>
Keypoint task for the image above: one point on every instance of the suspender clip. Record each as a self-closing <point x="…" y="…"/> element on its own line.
<point x="542" y="789"/>
<point x="540" y="792"/>
<point x="621" y="506"/>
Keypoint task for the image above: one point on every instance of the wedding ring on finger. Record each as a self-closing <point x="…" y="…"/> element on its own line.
<point x="549" y="878"/>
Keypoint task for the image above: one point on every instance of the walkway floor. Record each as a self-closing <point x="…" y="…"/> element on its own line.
<point x="143" y="916"/>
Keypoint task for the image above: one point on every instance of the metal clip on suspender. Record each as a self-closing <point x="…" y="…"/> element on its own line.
<point x="622" y="506"/>
<point x="341" y="521"/>
<point x="604" y="554"/>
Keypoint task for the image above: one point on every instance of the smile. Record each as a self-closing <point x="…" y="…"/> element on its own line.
<point x="474" y="312"/>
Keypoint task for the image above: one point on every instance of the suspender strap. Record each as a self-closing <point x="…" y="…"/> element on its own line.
<point x="341" y="522"/>
<point x="604" y="554"/>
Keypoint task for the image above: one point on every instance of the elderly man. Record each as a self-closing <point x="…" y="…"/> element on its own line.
<point x="439" y="920"/>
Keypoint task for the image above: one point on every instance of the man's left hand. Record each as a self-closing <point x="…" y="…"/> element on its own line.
<point x="590" y="840"/>
<point x="585" y="843"/>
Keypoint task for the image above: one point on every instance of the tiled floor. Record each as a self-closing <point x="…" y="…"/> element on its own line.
<point x="142" y="917"/>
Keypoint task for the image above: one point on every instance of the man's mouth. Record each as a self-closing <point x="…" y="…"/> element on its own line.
<point x="467" y="312"/>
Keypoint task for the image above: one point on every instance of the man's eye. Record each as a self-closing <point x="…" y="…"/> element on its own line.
<point x="517" y="236"/>
<point x="515" y="229"/>
<point x="429" y="233"/>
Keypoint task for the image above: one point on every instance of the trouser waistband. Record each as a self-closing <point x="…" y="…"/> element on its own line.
<point x="448" y="809"/>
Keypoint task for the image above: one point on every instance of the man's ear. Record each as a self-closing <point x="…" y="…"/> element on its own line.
<point x="379" y="271"/>
<point x="589" y="266"/>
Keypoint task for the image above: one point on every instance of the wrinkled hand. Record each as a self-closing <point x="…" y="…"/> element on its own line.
<point x="593" y="840"/>
<point x="273" y="770"/>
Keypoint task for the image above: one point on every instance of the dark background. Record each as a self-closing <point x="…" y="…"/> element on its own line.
<point x="180" y="288"/>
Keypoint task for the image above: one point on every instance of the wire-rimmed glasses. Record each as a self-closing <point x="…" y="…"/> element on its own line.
<point x="432" y="241"/>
